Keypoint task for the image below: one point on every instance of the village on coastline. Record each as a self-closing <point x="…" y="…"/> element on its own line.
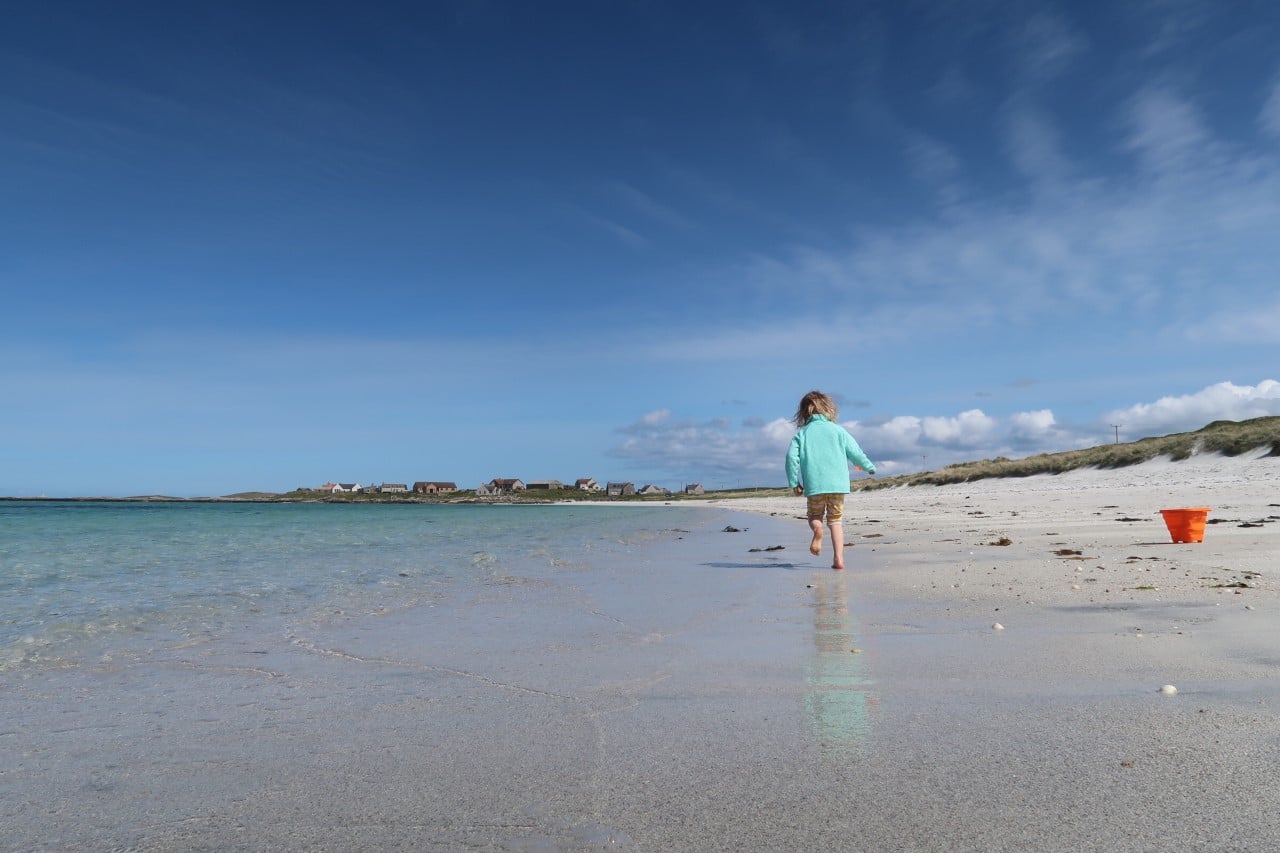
<point x="501" y="487"/>
<point x="498" y="490"/>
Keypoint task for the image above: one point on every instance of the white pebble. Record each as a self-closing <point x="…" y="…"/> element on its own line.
<point x="1168" y="690"/>
<point x="997" y="626"/>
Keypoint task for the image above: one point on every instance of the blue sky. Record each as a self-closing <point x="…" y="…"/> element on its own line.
<point x="264" y="245"/>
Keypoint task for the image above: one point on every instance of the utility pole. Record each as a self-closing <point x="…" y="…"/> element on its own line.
<point x="1116" y="427"/>
<point x="923" y="457"/>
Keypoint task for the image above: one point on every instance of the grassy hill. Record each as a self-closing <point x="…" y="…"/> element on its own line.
<point x="1230" y="438"/>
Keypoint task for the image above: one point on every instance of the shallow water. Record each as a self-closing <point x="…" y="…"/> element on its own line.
<point x="80" y="581"/>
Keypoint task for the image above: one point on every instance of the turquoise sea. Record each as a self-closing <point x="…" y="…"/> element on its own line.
<point x="82" y="582"/>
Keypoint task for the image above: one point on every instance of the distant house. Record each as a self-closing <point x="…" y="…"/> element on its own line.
<point x="587" y="484"/>
<point x="485" y="490"/>
<point x="545" y="485"/>
<point x="651" y="489"/>
<point x="617" y="490"/>
<point x="694" y="489"/>
<point x="348" y="488"/>
<point x="327" y="487"/>
<point x="505" y="487"/>
<point x="434" y="487"/>
<point x="393" y="488"/>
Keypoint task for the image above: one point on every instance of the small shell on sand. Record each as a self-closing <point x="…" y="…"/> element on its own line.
<point x="997" y="627"/>
<point x="1168" y="690"/>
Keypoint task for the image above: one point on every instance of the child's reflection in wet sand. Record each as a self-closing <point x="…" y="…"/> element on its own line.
<point x="840" y="700"/>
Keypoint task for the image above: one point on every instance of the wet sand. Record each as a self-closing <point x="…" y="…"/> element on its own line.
<point x="671" y="698"/>
<point x="696" y="694"/>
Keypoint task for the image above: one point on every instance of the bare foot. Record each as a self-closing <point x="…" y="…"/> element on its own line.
<point x="839" y="568"/>
<point x="815" y="547"/>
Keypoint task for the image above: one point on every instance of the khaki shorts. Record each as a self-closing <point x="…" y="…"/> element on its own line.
<point x="832" y="506"/>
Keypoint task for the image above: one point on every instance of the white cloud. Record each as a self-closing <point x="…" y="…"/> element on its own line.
<point x="965" y="430"/>
<point x="720" y="453"/>
<point x="1224" y="401"/>
<point x="1031" y="424"/>
<point x="897" y="437"/>
<point x="779" y="431"/>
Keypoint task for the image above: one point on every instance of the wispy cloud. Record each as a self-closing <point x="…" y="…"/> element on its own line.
<point x="1034" y="146"/>
<point x="1166" y="132"/>
<point x="717" y="448"/>
<point x="952" y="88"/>
<point x="1109" y="244"/>
<point x="1045" y="44"/>
<point x="626" y="235"/>
<point x="935" y="166"/>
<point x="643" y="203"/>
<point x="1269" y="117"/>
<point x="1174" y="22"/>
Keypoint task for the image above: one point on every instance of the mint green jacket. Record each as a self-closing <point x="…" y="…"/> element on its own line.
<point x="819" y="458"/>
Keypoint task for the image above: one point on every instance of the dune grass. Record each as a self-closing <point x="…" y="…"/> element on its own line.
<point x="1230" y="438"/>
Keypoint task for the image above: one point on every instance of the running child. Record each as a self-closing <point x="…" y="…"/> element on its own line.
<point x="818" y="467"/>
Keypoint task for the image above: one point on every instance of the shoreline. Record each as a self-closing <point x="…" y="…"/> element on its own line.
<point x="388" y="501"/>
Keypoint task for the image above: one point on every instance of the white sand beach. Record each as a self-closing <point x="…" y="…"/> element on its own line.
<point x="935" y="543"/>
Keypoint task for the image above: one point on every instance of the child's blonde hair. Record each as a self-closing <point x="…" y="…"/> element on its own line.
<point x="815" y="403"/>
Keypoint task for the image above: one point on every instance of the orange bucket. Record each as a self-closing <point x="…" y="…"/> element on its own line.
<point x="1186" y="524"/>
